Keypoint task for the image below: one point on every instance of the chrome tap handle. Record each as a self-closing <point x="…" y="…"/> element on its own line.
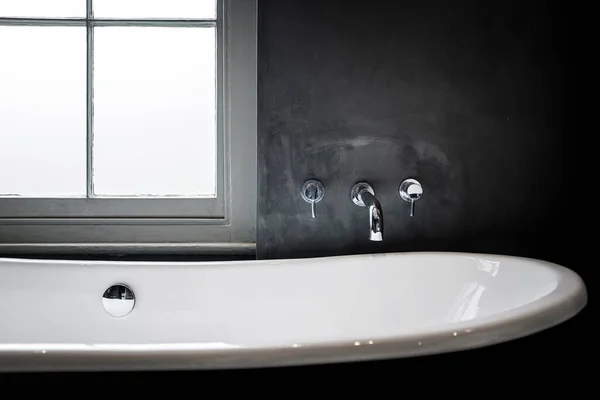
<point x="410" y="190"/>
<point x="312" y="192"/>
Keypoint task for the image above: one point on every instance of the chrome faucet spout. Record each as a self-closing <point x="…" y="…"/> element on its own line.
<point x="375" y="215"/>
<point x="363" y="195"/>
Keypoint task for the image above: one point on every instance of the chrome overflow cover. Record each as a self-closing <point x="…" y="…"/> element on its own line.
<point x="118" y="300"/>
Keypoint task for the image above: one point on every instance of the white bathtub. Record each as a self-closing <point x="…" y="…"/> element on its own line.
<point x="233" y="314"/>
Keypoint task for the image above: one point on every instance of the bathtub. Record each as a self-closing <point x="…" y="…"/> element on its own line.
<point x="243" y="314"/>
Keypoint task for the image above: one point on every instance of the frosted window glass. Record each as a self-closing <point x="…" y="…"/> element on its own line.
<point x="42" y="111"/>
<point x="155" y="8"/>
<point x="42" y="8"/>
<point x="154" y="111"/>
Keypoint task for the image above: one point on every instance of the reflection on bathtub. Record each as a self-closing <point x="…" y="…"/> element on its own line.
<point x="491" y="267"/>
<point x="467" y="304"/>
<point x="131" y="347"/>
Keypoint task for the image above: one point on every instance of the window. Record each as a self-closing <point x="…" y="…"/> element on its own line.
<point x="127" y="124"/>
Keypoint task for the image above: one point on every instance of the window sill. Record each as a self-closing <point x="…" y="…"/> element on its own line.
<point x="131" y="251"/>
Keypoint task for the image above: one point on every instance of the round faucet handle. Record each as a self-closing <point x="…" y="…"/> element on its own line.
<point x="312" y="192"/>
<point x="410" y="190"/>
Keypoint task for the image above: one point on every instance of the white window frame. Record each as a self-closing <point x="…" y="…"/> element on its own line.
<point x="226" y="223"/>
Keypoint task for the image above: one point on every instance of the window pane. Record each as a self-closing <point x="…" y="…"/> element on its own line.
<point x="42" y="111"/>
<point x="154" y="9"/>
<point x="42" y="8"/>
<point x="154" y="111"/>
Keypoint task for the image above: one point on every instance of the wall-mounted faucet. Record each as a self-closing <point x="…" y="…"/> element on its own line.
<point x="363" y="195"/>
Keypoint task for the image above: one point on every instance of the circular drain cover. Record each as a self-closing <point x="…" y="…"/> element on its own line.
<point x="118" y="300"/>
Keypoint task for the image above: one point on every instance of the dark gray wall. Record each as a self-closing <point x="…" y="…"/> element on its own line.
<point x="465" y="96"/>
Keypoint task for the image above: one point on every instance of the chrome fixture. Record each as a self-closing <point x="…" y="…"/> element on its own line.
<point x="312" y="192"/>
<point x="118" y="300"/>
<point x="363" y="195"/>
<point x="410" y="190"/>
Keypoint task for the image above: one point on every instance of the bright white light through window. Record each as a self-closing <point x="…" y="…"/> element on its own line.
<point x="155" y="9"/>
<point x="42" y="111"/>
<point x="154" y="125"/>
<point x="154" y="111"/>
<point x="42" y="8"/>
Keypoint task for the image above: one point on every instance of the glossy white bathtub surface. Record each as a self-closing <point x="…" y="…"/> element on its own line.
<point x="269" y="313"/>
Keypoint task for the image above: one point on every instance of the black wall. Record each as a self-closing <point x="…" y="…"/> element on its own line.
<point x="465" y="96"/>
<point x="470" y="97"/>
